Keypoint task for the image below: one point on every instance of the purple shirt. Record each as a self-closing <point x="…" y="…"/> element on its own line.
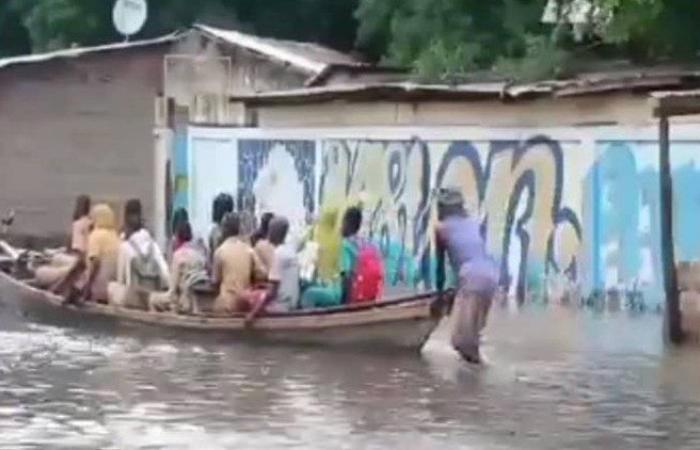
<point x="466" y="250"/>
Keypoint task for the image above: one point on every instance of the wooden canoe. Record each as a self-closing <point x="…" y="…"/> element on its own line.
<point x="400" y="323"/>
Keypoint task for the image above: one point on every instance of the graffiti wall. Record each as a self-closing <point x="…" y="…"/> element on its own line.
<point x="277" y="176"/>
<point x="566" y="212"/>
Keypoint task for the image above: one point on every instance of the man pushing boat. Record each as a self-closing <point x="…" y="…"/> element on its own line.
<point x="458" y="237"/>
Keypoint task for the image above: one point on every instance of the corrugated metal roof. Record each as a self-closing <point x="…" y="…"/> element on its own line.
<point x="379" y="91"/>
<point x="309" y="57"/>
<point x="584" y="84"/>
<point x="80" y="51"/>
<point x="692" y="93"/>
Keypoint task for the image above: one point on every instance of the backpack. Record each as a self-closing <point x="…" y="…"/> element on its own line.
<point x="145" y="271"/>
<point x="368" y="276"/>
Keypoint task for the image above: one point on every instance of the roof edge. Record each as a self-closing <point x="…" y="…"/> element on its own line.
<point x="504" y="91"/>
<point x="252" y="43"/>
<point x="80" y="51"/>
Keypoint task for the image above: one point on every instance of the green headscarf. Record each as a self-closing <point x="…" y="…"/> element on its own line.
<point x="327" y="234"/>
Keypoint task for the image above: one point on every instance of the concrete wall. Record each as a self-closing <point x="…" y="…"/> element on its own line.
<point x="569" y="211"/>
<point x="624" y="108"/>
<point x="72" y="126"/>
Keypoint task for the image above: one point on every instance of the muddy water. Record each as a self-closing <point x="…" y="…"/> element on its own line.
<point x="554" y="379"/>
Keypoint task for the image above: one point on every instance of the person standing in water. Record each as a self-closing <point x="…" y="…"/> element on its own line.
<point x="458" y="237"/>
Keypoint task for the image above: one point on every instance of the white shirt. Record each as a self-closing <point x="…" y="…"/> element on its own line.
<point x="142" y="240"/>
<point x="285" y="270"/>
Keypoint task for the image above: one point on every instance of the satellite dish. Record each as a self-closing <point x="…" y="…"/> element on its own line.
<point x="129" y="16"/>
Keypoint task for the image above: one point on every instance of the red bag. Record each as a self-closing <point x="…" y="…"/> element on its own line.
<point x="368" y="276"/>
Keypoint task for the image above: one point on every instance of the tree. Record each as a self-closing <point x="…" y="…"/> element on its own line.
<point x="443" y="38"/>
<point x="14" y="36"/>
<point x="56" y="24"/>
<point x="448" y="39"/>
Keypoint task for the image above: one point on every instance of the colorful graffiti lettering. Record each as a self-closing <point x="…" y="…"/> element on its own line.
<point x="517" y="192"/>
<point x="558" y="216"/>
<point x="622" y="213"/>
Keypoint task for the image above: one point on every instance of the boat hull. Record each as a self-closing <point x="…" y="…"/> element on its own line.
<point x="397" y="324"/>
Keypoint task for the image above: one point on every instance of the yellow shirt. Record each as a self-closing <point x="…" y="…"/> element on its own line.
<point x="103" y="245"/>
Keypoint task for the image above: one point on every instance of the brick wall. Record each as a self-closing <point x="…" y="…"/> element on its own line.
<point x="71" y="126"/>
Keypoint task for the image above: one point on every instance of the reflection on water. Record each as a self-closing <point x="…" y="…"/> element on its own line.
<point x="554" y="379"/>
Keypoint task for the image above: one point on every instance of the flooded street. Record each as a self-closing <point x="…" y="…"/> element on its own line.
<point x="554" y="379"/>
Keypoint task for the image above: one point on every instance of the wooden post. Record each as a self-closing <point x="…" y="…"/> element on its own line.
<point x="673" y="310"/>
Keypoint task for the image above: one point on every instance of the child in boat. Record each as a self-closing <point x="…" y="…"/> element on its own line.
<point x="141" y="262"/>
<point x="188" y="269"/>
<point x="283" y="293"/>
<point x="458" y="237"/>
<point x="235" y="268"/>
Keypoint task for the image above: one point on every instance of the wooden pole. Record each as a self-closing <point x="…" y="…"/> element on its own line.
<point x="673" y="310"/>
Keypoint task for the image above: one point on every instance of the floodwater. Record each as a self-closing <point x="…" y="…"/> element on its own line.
<point x="555" y="378"/>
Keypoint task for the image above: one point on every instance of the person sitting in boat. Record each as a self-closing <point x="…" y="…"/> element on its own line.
<point x="235" y="269"/>
<point x="283" y="292"/>
<point x="361" y="265"/>
<point x="80" y="229"/>
<point x="324" y="288"/>
<point x="458" y="237"/>
<point x="188" y="269"/>
<point x="65" y="268"/>
<point x="223" y="204"/>
<point x="180" y="216"/>
<point x="141" y="262"/>
<point x="102" y="254"/>
<point x="261" y="243"/>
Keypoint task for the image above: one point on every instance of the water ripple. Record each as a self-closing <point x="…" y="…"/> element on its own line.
<point x="553" y="380"/>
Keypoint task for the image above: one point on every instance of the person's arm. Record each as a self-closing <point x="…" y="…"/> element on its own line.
<point x="216" y="271"/>
<point x="274" y="277"/>
<point x="271" y="293"/>
<point x="162" y="265"/>
<point x="260" y="271"/>
<point x="175" y="274"/>
<point x="69" y="279"/>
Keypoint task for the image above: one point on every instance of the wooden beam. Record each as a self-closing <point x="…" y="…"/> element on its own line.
<point x="673" y="311"/>
<point x="676" y="105"/>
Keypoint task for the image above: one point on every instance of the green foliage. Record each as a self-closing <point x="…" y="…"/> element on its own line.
<point x="542" y="59"/>
<point x="441" y="63"/>
<point x="443" y="39"/>
<point x="14" y="37"/>
<point x="53" y="24"/>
